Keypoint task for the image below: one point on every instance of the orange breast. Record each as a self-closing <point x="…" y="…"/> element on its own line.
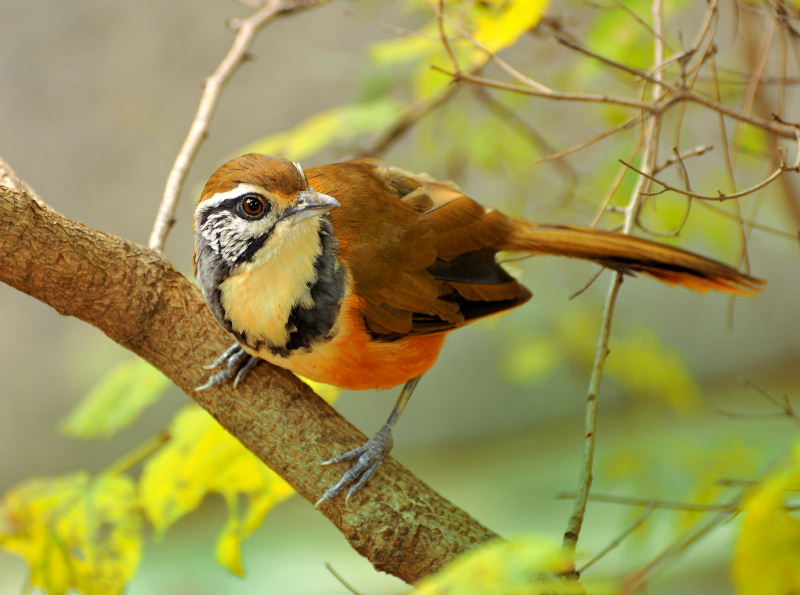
<point x="353" y="360"/>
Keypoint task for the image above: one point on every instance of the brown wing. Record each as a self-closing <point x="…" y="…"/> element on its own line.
<point x="421" y="253"/>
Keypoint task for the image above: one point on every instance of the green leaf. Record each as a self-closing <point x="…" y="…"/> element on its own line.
<point x="767" y="554"/>
<point x="522" y="566"/>
<point x="116" y="401"/>
<point x="321" y="130"/>
<point x="76" y="533"/>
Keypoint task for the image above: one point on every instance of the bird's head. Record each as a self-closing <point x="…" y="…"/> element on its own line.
<point x="252" y="201"/>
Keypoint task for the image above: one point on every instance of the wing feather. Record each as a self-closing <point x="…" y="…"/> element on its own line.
<point x="420" y="252"/>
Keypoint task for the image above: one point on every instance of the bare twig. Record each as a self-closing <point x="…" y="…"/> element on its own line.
<point x="732" y="181"/>
<point x="138" y="454"/>
<point x="643" y="23"/>
<point x="734" y="482"/>
<point x="651" y="134"/>
<point x="612" y="190"/>
<point x="580" y="97"/>
<point x="634" y="582"/>
<point x="536" y="139"/>
<point x="575" y="522"/>
<point x="656" y="80"/>
<point x="655" y="503"/>
<point x="783" y="403"/>
<point x="720" y="197"/>
<point x="588" y="284"/>
<point x="619" y="539"/>
<point x="589" y="142"/>
<point x="393" y="29"/>
<point x="407" y="120"/>
<point x="705" y="27"/>
<point x="678" y="94"/>
<point x="341" y="579"/>
<point x="676" y="157"/>
<point x="445" y="39"/>
<point x="749" y="222"/>
<point x="246" y="30"/>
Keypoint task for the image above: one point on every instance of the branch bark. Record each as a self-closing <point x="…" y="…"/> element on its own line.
<point x="143" y="303"/>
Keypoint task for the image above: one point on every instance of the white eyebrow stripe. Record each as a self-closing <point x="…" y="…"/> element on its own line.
<point x="220" y="197"/>
<point x="300" y="171"/>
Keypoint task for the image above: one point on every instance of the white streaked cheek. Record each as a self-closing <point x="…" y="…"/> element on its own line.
<point x="229" y="235"/>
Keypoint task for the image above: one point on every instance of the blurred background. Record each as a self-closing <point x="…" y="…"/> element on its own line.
<point x="96" y="99"/>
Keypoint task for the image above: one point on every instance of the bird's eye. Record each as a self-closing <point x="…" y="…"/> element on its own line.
<point x="253" y="205"/>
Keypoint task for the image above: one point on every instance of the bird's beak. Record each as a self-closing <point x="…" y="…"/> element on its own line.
<point x="309" y="203"/>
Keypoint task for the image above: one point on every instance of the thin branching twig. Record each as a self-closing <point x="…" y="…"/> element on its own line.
<point x="246" y="30"/>
<point x="720" y="197"/>
<point x="619" y="539"/>
<point x="341" y="579"/>
<point x="649" y="160"/>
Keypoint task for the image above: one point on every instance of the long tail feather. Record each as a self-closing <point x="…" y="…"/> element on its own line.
<point x="631" y="255"/>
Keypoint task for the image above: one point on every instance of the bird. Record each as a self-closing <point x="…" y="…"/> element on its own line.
<point x="354" y="273"/>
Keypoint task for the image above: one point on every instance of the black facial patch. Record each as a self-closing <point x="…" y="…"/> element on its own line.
<point x="310" y="325"/>
<point x="212" y="270"/>
<point x="253" y="246"/>
<point x="229" y="204"/>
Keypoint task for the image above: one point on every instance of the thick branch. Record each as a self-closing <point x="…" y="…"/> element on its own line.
<point x="143" y="303"/>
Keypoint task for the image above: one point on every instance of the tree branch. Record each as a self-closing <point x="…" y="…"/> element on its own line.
<point x="143" y="303"/>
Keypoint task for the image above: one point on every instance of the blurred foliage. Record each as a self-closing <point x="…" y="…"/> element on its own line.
<point x="520" y="566"/>
<point x="202" y="458"/>
<point x="117" y="400"/>
<point x="77" y="533"/>
<point x="346" y="122"/>
<point x="643" y="366"/>
<point x="767" y="554"/>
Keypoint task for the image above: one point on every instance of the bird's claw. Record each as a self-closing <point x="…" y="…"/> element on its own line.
<point x="369" y="457"/>
<point x="237" y="364"/>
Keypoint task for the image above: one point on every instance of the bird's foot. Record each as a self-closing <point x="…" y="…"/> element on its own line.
<point x="236" y="363"/>
<point x="370" y="456"/>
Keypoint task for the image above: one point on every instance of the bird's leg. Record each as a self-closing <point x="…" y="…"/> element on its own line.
<point x="371" y="454"/>
<point x="237" y="364"/>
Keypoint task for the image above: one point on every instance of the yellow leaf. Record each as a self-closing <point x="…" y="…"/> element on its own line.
<point x="768" y="551"/>
<point x="238" y="528"/>
<point x="327" y="391"/>
<point x="523" y="566"/>
<point x="75" y="533"/>
<point x="201" y="458"/>
<point x="504" y="21"/>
